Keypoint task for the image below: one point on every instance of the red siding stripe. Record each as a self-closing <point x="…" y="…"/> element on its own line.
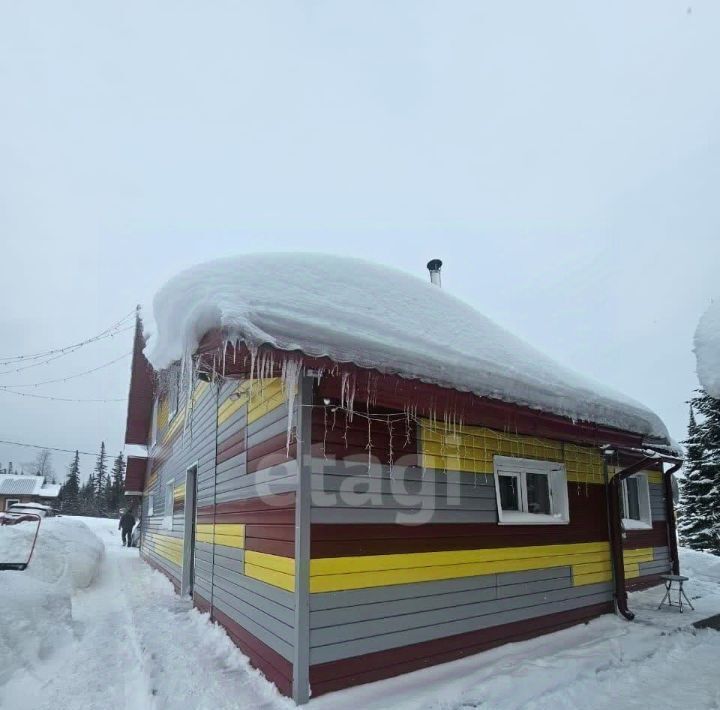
<point x="657" y="537"/>
<point x="276" y="668"/>
<point x="335" y="675"/>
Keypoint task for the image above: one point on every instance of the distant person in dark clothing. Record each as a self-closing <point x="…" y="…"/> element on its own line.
<point x="127" y="522"/>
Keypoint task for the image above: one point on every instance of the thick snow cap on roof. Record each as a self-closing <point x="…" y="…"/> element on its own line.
<point x="707" y="349"/>
<point x="351" y="310"/>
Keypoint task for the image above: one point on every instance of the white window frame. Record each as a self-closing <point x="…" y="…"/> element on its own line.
<point x="557" y="486"/>
<point x="168" y="509"/>
<point x="11" y="501"/>
<point x="151" y="505"/>
<point x="645" y="521"/>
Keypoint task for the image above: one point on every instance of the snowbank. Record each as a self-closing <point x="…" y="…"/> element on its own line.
<point x="35" y="605"/>
<point x="351" y="310"/>
<point x="707" y="350"/>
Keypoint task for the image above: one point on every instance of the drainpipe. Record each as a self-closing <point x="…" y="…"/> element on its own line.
<point x="616" y="547"/>
<point x="670" y="516"/>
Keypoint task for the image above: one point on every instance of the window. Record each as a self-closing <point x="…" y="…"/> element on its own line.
<point x="10" y="501"/>
<point x="168" y="509"/>
<point x="531" y="492"/>
<point x="151" y="506"/>
<point x="635" y="499"/>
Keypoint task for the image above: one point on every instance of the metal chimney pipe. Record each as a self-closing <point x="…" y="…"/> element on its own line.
<point x="434" y="266"/>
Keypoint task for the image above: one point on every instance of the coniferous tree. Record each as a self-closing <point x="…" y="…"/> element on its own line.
<point x="87" y="493"/>
<point x="118" y="483"/>
<point x="100" y="474"/>
<point x="71" y="488"/>
<point x="699" y="510"/>
<point x="10" y="468"/>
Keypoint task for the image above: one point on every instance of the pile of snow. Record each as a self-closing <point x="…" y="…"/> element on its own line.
<point x="351" y="310"/>
<point x="36" y="605"/>
<point x="707" y="350"/>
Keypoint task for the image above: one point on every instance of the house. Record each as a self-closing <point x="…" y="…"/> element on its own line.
<point x="26" y="489"/>
<point x="358" y="475"/>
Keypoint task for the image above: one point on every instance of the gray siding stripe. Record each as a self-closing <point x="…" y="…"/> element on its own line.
<point x="464" y="607"/>
<point x="276" y="642"/>
<point x="378" y="641"/>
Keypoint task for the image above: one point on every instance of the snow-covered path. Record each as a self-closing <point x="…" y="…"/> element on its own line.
<point x="134" y="644"/>
<point x="137" y="645"/>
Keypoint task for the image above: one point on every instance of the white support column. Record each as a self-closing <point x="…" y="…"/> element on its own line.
<point x="301" y="651"/>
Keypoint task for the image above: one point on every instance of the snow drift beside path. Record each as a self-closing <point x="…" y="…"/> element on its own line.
<point x="36" y="605"/>
<point x="707" y="349"/>
<point x="351" y="310"/>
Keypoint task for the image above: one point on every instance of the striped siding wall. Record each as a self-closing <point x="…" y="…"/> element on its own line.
<point x="389" y="596"/>
<point x="245" y="526"/>
<point x="186" y="439"/>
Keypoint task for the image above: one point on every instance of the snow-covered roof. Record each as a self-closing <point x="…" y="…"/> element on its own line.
<point x="11" y="484"/>
<point x="707" y="349"/>
<point x="31" y="506"/>
<point x="351" y="310"/>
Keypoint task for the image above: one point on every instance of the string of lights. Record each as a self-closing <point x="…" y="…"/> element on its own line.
<point x="49" y="448"/>
<point x="61" y="399"/>
<point x="69" y="377"/>
<point x="107" y="332"/>
<point x="40" y="363"/>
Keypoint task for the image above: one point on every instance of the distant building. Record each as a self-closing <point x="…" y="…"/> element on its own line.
<point x="26" y="489"/>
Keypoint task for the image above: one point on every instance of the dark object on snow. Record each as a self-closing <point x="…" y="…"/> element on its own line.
<point x="126" y="524"/>
<point x="712" y="622"/>
<point x="678" y="579"/>
<point x="127" y="521"/>
<point x="10" y="520"/>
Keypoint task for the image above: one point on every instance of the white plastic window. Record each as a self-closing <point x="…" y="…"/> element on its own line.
<point x="151" y="505"/>
<point x="635" y="498"/>
<point x="531" y="492"/>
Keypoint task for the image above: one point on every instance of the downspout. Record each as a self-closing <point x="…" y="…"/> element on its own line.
<point x="670" y="517"/>
<point x="616" y="547"/>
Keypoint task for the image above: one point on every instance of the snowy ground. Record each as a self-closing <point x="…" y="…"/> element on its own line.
<point x="121" y="638"/>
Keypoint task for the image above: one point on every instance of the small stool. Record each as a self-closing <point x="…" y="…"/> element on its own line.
<point x="669" y="579"/>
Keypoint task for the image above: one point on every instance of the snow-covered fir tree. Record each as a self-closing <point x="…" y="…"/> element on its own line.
<point x="699" y="511"/>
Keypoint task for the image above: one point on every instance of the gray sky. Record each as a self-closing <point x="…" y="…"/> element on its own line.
<point x="563" y="161"/>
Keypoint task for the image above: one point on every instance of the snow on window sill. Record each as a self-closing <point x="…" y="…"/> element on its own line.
<point x="631" y="524"/>
<point x="511" y="517"/>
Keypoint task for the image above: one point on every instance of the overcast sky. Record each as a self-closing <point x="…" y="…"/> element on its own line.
<point x="564" y="162"/>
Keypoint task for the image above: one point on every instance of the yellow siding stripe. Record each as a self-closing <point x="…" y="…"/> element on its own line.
<point x="227" y="534"/>
<point x="171" y="548"/>
<point x="272" y="569"/>
<point x="633" y="558"/>
<point x="589" y="562"/>
<point x="472" y="449"/>
<point x="179" y="492"/>
<point x="267" y="394"/>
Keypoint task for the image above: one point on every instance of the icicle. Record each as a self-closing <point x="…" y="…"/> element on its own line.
<point x="347" y="394"/>
<point x="290" y="376"/>
<point x="390" y="432"/>
<point x="253" y="358"/>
